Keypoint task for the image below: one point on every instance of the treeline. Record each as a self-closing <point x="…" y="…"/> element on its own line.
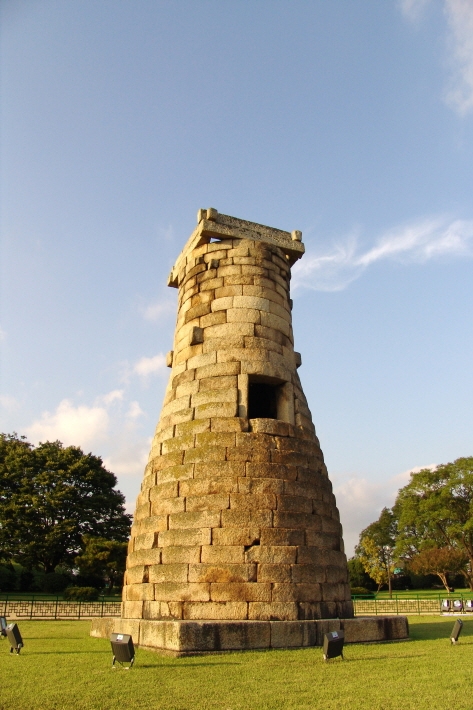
<point x="62" y="521"/>
<point x="427" y="535"/>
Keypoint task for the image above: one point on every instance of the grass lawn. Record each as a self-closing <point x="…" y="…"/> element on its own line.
<point x="61" y="667"/>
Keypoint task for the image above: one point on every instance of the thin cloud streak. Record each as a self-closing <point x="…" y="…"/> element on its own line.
<point x="155" y="311"/>
<point x="459" y="14"/>
<point x="412" y="243"/>
<point x="460" y="42"/>
<point x="413" y="9"/>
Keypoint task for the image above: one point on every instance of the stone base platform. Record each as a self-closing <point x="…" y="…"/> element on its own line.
<point x="186" y="638"/>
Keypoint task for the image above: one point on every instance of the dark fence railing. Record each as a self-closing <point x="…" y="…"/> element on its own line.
<point x="57" y="609"/>
<point x="37" y="608"/>
<point x="368" y="605"/>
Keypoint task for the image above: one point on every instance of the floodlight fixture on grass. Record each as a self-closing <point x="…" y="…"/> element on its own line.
<point x="333" y="644"/>
<point x="14" y="637"/>
<point x="123" y="649"/>
<point x="468" y="604"/>
<point x="3" y="626"/>
<point x="446" y="605"/>
<point x="457" y="605"/>
<point x="456" y="631"/>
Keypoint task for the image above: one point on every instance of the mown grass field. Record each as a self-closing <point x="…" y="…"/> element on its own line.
<point x="61" y="668"/>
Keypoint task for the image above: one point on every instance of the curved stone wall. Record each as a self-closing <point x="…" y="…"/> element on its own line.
<point x="236" y="518"/>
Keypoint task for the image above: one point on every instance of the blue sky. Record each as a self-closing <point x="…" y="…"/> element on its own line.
<point x="349" y="120"/>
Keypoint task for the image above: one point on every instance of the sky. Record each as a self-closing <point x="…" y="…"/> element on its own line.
<point x="349" y="120"/>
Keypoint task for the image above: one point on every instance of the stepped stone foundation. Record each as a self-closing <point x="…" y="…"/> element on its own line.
<point x="236" y="541"/>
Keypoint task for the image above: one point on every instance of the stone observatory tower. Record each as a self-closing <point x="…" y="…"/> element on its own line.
<point x="236" y="534"/>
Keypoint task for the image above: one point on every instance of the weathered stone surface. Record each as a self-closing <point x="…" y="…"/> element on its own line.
<point x="169" y="591"/>
<point x="215" y="610"/>
<point x="222" y="573"/>
<point x="226" y="630"/>
<point x="235" y="554"/>
<point x="175" y="554"/>
<point x="191" y="536"/>
<point x="367" y="629"/>
<point x="275" y="611"/>
<point x="230" y="591"/>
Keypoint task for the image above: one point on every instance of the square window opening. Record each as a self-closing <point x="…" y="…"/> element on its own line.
<point x="263" y="400"/>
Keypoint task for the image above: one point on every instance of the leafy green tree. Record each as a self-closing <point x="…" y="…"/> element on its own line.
<point x="104" y="558"/>
<point x="376" y="549"/>
<point x="50" y="497"/>
<point x="441" y="561"/>
<point x="357" y="574"/>
<point x="436" y="509"/>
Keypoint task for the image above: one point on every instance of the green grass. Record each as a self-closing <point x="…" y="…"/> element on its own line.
<point x="61" y="667"/>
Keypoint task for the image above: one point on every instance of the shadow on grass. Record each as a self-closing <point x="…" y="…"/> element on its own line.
<point x="52" y="638"/>
<point x="184" y="665"/>
<point x="64" y="653"/>
<point x="438" y="630"/>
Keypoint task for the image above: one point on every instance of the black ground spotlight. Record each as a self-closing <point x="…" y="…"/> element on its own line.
<point x="122" y="649"/>
<point x="14" y="637"/>
<point x="456" y="631"/>
<point x="333" y="644"/>
<point x="3" y="625"/>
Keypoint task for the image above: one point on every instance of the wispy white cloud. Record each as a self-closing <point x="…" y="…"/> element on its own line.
<point x="459" y="14"/>
<point x="111" y="397"/>
<point x="460" y="43"/>
<point x="413" y="9"/>
<point x="150" y="365"/>
<point x="134" y="410"/>
<point x="166" y="233"/>
<point x="129" y="459"/>
<point x="419" y="242"/>
<point x="155" y="311"/>
<point x="73" y="425"/>
<point x="9" y="403"/>
<point x="107" y="430"/>
<point x="360" y="501"/>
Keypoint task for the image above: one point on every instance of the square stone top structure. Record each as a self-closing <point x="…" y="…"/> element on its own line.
<point x="236" y="525"/>
<point x="211" y="224"/>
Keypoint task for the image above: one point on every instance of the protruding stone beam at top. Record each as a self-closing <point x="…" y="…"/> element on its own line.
<point x="213" y="225"/>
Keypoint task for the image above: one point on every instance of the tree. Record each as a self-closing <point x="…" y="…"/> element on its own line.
<point x="376" y="548"/>
<point x="104" y="558"/>
<point x="436" y="508"/>
<point x="440" y="561"/>
<point x="357" y="574"/>
<point x="50" y="497"/>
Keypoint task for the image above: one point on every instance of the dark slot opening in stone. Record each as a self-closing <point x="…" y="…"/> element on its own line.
<point x="262" y="401"/>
